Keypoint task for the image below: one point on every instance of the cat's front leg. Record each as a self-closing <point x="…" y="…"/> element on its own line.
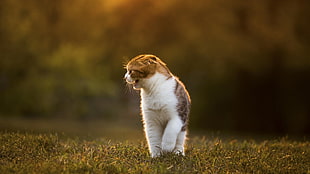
<point x="153" y="135"/>
<point x="179" y="147"/>
<point x="170" y="135"/>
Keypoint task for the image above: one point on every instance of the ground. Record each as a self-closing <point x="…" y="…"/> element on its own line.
<point x="24" y="152"/>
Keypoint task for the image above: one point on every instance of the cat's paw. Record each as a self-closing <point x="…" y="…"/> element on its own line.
<point x="155" y="155"/>
<point x="156" y="152"/>
<point x="179" y="152"/>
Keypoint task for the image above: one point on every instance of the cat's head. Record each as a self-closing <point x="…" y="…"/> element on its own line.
<point x="143" y="67"/>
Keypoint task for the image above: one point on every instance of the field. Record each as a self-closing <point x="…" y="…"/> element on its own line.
<point x="22" y="152"/>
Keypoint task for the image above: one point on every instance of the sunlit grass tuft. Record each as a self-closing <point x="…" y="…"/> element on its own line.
<point x="51" y="153"/>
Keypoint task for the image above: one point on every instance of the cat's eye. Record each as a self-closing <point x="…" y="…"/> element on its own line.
<point x="137" y="71"/>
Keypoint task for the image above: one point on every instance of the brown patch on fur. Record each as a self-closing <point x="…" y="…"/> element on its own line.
<point x="184" y="103"/>
<point x="144" y="66"/>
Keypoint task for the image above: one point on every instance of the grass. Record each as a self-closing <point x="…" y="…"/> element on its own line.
<point x="54" y="153"/>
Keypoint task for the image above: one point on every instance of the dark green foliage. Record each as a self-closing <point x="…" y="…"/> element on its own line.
<point x="245" y="63"/>
<point x="50" y="153"/>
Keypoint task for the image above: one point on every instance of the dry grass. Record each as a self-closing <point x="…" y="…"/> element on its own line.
<point x="53" y="153"/>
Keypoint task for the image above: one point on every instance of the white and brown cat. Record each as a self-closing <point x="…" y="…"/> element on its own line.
<point x="165" y="104"/>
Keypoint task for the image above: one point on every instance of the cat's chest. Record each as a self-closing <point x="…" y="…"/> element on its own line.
<point x="158" y="109"/>
<point x="156" y="103"/>
<point x="162" y="99"/>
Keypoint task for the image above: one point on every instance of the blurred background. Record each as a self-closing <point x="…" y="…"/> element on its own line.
<point x="246" y="64"/>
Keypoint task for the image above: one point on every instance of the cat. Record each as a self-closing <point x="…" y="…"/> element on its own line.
<point x="165" y="104"/>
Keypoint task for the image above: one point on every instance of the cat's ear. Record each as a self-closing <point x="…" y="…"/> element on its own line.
<point x="152" y="60"/>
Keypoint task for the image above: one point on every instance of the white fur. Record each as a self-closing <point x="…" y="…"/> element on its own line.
<point x="162" y="123"/>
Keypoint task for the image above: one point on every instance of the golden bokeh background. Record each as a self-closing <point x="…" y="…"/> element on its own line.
<point x="246" y="64"/>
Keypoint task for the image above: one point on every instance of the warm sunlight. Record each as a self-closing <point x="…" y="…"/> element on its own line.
<point x="245" y="65"/>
